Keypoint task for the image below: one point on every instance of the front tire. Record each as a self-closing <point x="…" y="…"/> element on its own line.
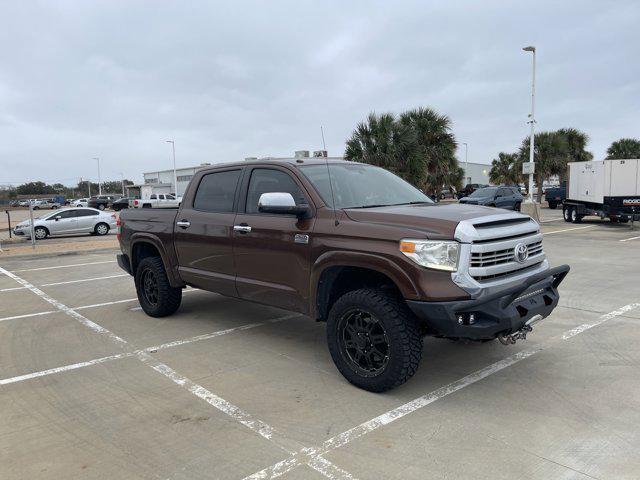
<point x="156" y="295"/>
<point x="40" y="233"/>
<point x="374" y="339"/>
<point x="553" y="205"/>
<point x="101" y="207"/>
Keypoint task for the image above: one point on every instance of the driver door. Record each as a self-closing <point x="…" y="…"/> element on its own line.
<point x="272" y="251"/>
<point x="65" y="221"/>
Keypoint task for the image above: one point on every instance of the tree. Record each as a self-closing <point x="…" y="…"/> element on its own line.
<point x="551" y="154"/>
<point x="624" y="148"/>
<point x="506" y="169"/>
<point x="418" y="146"/>
<point x="384" y="142"/>
<point x="82" y="188"/>
<point x="436" y="146"/>
<point x="35" y="188"/>
<point x="114" y="186"/>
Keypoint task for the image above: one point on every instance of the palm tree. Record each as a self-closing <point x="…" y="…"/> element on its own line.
<point x="624" y="148"/>
<point x="506" y="169"/>
<point x="382" y="141"/>
<point x="436" y="146"/>
<point x="551" y="153"/>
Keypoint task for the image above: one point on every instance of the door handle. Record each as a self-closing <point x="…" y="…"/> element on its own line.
<point x="242" y="228"/>
<point x="183" y="223"/>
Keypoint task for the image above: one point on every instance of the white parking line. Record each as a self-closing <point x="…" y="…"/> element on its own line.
<point x="628" y="239"/>
<point x="256" y="425"/>
<point x="62" y="266"/>
<point x="27" y="315"/>
<point x="567" y="230"/>
<point x="81" y="280"/>
<point x="152" y="349"/>
<point x="308" y="455"/>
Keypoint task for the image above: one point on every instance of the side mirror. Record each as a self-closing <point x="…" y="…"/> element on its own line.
<point x="282" y="203"/>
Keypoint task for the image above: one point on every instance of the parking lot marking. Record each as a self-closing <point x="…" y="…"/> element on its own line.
<point x="62" y="266"/>
<point x="152" y="349"/>
<point x="628" y="239"/>
<point x="305" y="456"/>
<point x="256" y="425"/>
<point x="85" y="280"/>
<point x="12" y="289"/>
<point x="27" y="315"/>
<point x="567" y="230"/>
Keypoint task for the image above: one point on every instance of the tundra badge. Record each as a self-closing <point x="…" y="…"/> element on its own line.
<point x="301" y="238"/>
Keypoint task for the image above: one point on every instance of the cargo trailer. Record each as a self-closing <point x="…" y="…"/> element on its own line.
<point x="606" y="188"/>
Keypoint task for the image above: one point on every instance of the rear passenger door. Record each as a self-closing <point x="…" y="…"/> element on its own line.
<point x="86" y="220"/>
<point x="203" y="233"/>
<point x="271" y="251"/>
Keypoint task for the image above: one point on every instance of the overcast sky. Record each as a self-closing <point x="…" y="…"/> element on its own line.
<point x="228" y="80"/>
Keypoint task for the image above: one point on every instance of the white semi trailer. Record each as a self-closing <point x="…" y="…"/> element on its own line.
<point x="605" y="188"/>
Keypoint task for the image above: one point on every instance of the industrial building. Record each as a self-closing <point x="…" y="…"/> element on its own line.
<point x="476" y="172"/>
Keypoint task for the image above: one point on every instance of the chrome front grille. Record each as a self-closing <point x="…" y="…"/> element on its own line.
<point x="506" y="255"/>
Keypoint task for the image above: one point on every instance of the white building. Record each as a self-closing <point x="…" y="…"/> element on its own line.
<point x="475" y="172"/>
<point x="161" y="181"/>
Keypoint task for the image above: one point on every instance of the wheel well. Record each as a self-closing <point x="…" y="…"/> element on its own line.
<point x="140" y="251"/>
<point x="336" y="281"/>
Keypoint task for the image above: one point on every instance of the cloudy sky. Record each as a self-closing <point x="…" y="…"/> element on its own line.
<point x="227" y="80"/>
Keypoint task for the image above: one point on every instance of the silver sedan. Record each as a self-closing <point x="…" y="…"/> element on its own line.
<point x="68" y="221"/>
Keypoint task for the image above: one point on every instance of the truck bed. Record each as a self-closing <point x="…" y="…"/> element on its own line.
<point x="156" y="221"/>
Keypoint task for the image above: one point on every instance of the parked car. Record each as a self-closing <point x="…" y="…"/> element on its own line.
<point x="159" y="200"/>
<point x="121" y="203"/>
<point x="102" y="201"/>
<point x="501" y="197"/>
<point x="47" y="203"/>
<point x="14" y="203"/>
<point x="349" y="244"/>
<point x="447" y="193"/>
<point x="68" y="221"/>
<point x="556" y="195"/>
<point x="81" y="202"/>
<point x="469" y="189"/>
<point x="25" y="203"/>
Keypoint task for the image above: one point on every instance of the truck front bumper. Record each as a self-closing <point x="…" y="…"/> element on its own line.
<point x="500" y="312"/>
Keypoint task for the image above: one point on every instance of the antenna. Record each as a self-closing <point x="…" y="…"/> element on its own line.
<point x="326" y="161"/>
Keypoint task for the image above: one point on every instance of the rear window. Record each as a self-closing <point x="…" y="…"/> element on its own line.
<point x="216" y="191"/>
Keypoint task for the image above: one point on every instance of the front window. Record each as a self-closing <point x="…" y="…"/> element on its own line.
<point x="484" y="192"/>
<point x="356" y="185"/>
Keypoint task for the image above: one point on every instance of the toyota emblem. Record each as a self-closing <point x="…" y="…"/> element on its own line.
<point x="521" y="252"/>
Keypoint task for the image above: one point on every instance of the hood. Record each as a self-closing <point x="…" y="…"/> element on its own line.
<point x="440" y="220"/>
<point x="476" y="199"/>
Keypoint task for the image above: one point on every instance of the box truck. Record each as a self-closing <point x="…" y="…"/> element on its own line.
<point x="606" y="188"/>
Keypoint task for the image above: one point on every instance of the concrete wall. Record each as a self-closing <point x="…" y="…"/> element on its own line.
<point x="476" y="172"/>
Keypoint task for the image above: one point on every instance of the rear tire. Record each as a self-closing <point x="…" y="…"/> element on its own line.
<point x="101" y="229"/>
<point x="516" y="207"/>
<point x="374" y="339"/>
<point x="156" y="295"/>
<point x="566" y="213"/>
<point x="553" y="205"/>
<point x="575" y="216"/>
<point x="101" y="207"/>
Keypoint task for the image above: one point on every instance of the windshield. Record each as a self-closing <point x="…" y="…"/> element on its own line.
<point x="356" y="185"/>
<point x="484" y="192"/>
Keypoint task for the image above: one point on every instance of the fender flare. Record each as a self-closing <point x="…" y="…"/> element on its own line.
<point x="383" y="265"/>
<point x="141" y="237"/>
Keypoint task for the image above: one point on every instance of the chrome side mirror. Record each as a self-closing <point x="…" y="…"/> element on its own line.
<point x="281" y="203"/>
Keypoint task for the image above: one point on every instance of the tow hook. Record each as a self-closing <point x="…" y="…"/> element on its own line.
<point x="521" y="334"/>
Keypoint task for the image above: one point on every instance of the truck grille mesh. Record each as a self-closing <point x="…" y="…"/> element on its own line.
<point x="499" y="257"/>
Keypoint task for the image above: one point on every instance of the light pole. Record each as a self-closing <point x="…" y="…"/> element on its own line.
<point x="466" y="163"/>
<point x="532" y="121"/>
<point x="175" y="175"/>
<point x="99" y="184"/>
<point x="122" y="179"/>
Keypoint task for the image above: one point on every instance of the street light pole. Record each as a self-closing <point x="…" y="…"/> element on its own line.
<point x="532" y="120"/>
<point x="466" y="163"/>
<point x="99" y="184"/>
<point x="175" y="175"/>
<point x="122" y="178"/>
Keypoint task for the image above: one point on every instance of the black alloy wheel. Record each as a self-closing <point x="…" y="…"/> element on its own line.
<point x="363" y="342"/>
<point x="150" y="286"/>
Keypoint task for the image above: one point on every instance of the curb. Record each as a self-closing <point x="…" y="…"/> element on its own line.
<point x="57" y="254"/>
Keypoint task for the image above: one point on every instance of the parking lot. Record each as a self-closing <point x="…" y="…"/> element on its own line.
<point x="90" y="387"/>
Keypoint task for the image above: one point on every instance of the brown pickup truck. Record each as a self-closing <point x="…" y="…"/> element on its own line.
<point x="349" y="244"/>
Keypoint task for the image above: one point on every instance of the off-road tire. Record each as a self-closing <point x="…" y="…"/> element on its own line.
<point x="401" y="330"/>
<point x="168" y="298"/>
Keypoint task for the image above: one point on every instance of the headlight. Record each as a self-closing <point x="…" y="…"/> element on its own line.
<point x="439" y="255"/>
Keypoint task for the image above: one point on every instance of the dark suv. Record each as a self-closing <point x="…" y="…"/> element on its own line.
<point x="102" y="201"/>
<point x="468" y="189"/>
<point x="501" y="197"/>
